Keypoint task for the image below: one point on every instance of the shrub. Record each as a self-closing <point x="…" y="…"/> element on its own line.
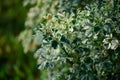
<point x="82" y="44"/>
<point x="39" y="9"/>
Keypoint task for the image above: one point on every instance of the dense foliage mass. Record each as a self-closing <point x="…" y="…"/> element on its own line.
<point x="76" y="40"/>
<point x="41" y="8"/>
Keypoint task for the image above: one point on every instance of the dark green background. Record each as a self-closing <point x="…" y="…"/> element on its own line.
<point x="14" y="64"/>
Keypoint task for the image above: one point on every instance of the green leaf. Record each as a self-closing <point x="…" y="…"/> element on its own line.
<point x="64" y="39"/>
<point x="96" y="29"/>
<point x="54" y="44"/>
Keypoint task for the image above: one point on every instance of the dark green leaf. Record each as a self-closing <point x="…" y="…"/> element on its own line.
<point x="54" y="44"/>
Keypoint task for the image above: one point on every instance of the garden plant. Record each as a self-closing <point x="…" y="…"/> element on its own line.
<point x="74" y="39"/>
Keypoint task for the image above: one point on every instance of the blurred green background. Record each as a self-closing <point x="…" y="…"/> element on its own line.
<point x="14" y="64"/>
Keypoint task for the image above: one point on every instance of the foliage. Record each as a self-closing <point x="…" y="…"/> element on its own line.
<point x="40" y="8"/>
<point x="12" y="15"/>
<point x="80" y="45"/>
<point x="14" y="64"/>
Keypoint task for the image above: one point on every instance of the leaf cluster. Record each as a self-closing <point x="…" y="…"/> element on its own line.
<point x="81" y="45"/>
